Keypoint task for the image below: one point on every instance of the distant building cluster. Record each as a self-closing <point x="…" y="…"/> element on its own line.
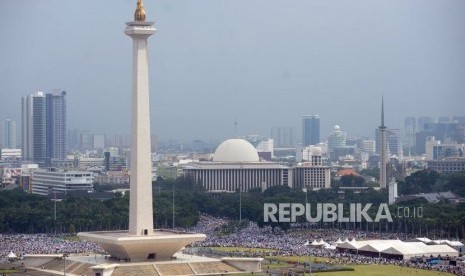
<point x="46" y="146"/>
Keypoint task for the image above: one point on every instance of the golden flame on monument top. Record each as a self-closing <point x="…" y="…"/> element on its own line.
<point x="139" y="15"/>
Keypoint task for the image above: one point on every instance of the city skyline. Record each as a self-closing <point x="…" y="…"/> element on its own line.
<point x="77" y="139"/>
<point x="266" y="64"/>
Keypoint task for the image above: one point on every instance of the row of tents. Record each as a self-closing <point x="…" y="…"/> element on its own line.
<point x="396" y="249"/>
<point x="393" y="248"/>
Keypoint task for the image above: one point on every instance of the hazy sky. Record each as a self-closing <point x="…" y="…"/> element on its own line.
<point x="265" y="63"/>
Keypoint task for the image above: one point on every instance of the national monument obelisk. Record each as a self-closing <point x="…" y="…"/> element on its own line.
<point x="140" y="203"/>
<point x="141" y="242"/>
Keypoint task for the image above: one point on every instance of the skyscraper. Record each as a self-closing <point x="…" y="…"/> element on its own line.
<point x="43" y="127"/>
<point x="283" y="137"/>
<point x="33" y="127"/>
<point x="55" y="126"/>
<point x="422" y="121"/>
<point x="410" y="131"/>
<point x="9" y="134"/>
<point x="310" y="130"/>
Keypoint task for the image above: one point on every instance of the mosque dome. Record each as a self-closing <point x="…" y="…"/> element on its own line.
<point x="316" y="151"/>
<point x="236" y="150"/>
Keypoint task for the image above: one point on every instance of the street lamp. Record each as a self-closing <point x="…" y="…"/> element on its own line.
<point x="173" y="205"/>
<point x="52" y="190"/>
<point x="306" y="201"/>
<point x="308" y="245"/>
<point x="64" y="265"/>
<point x="240" y="204"/>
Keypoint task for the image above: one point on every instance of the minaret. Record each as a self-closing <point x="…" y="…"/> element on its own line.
<point x="383" y="159"/>
<point x="140" y="200"/>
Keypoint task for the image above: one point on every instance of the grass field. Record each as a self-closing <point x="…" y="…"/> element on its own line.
<point x="359" y="270"/>
<point x="382" y="270"/>
<point x="376" y="270"/>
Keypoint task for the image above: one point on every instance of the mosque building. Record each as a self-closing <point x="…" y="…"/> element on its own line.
<point x="237" y="166"/>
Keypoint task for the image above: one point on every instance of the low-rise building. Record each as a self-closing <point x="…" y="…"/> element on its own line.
<point x="45" y="181"/>
<point x="447" y="165"/>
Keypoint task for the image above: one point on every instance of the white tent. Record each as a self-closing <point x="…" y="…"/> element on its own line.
<point x="323" y="243"/>
<point x="376" y="246"/>
<point x="11" y="255"/>
<point x="419" y="249"/>
<point x="347" y="245"/>
<point x="448" y="242"/>
<point x="425" y="240"/>
<point x="407" y="250"/>
<point x="330" y="247"/>
<point x="441" y="249"/>
<point x="398" y="248"/>
<point x="338" y="241"/>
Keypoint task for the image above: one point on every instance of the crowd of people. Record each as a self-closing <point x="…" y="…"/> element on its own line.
<point x="294" y="243"/>
<point x="219" y="234"/>
<point x="22" y="244"/>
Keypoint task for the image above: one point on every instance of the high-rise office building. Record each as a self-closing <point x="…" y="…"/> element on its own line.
<point x="283" y="137"/>
<point x="98" y="141"/>
<point x="86" y="140"/>
<point x="55" y="126"/>
<point x="459" y="119"/>
<point x="444" y="131"/>
<point x="367" y="145"/>
<point x="72" y="138"/>
<point x="410" y="126"/>
<point x="310" y="130"/>
<point x="444" y="119"/>
<point x="33" y="127"/>
<point x="422" y="121"/>
<point x="43" y="127"/>
<point x="9" y="134"/>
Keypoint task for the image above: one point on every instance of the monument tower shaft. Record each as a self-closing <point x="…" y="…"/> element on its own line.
<point x="141" y="242"/>
<point x="140" y="202"/>
<point x="383" y="155"/>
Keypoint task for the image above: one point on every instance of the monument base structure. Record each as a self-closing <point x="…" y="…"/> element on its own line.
<point x="100" y="265"/>
<point x="159" y="245"/>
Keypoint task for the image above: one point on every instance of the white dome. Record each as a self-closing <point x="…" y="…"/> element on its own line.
<point x="336" y="127"/>
<point x="316" y="151"/>
<point x="236" y="150"/>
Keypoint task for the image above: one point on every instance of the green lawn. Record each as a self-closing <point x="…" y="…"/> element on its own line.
<point x="381" y="270"/>
<point x="372" y="270"/>
<point x="359" y="270"/>
<point x="71" y="238"/>
<point x="298" y="259"/>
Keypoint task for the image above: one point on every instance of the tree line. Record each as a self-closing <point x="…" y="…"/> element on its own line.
<point x="21" y="212"/>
